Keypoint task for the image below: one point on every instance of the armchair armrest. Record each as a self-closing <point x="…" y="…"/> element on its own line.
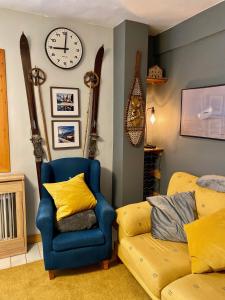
<point x="45" y="221"/>
<point x="134" y="219"/>
<point x="105" y="213"/>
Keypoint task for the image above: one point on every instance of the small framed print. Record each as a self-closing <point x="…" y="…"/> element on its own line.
<point x="65" y="134"/>
<point x="65" y="102"/>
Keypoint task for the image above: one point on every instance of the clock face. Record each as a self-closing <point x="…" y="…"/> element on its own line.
<point x="63" y="48"/>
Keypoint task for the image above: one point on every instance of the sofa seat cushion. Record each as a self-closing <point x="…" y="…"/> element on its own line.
<point x="77" y="239"/>
<point x="210" y="286"/>
<point x="154" y="263"/>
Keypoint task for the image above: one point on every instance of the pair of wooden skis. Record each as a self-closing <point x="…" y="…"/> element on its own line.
<point x="36" y="77"/>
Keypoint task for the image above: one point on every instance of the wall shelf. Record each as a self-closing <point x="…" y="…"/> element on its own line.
<point x="156" y="81"/>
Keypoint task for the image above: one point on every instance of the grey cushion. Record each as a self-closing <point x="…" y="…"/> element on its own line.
<point x="79" y="221"/>
<point x="214" y="182"/>
<point x="170" y="213"/>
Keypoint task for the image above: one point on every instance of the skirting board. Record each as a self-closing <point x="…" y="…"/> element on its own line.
<point x="34" y="238"/>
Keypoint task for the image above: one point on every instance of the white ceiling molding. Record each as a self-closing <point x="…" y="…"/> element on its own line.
<point x="159" y="14"/>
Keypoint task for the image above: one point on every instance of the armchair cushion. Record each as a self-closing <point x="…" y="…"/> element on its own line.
<point x="77" y="239"/>
<point x="134" y="218"/>
<point x="71" y="196"/>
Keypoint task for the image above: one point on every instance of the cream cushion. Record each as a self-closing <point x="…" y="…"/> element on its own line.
<point x="207" y="201"/>
<point x="154" y="263"/>
<point x="209" y="286"/>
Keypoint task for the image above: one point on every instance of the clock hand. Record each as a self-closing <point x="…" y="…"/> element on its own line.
<point x="65" y="43"/>
<point x="61" y="48"/>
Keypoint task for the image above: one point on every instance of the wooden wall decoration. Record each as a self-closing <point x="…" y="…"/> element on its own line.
<point x="4" y="127"/>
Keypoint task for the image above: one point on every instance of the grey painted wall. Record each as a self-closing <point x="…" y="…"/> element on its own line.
<point x="128" y="161"/>
<point x="193" y="55"/>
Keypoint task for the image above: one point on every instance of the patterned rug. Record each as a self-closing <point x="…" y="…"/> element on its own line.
<point x="31" y="282"/>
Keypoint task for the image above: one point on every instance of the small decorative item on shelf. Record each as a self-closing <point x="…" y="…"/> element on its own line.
<point x="155" y="75"/>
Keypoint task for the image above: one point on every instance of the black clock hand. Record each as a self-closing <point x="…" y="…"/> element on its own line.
<point x="61" y="48"/>
<point x="65" y="43"/>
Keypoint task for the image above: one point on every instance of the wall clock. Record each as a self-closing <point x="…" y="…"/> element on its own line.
<point x="64" y="48"/>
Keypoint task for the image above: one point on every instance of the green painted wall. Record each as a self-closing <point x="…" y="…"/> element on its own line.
<point x="128" y="161"/>
<point x="193" y="55"/>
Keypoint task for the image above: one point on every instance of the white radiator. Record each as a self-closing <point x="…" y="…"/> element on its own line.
<point x="8" y="225"/>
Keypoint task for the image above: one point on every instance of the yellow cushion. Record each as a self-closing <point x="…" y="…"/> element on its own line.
<point x="71" y="196"/>
<point x="206" y="243"/>
<point x="154" y="263"/>
<point x="134" y="218"/>
<point x="210" y="286"/>
<point x="207" y="201"/>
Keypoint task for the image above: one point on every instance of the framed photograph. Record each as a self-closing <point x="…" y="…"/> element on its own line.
<point x="65" y="134"/>
<point x="203" y="112"/>
<point x="65" y="102"/>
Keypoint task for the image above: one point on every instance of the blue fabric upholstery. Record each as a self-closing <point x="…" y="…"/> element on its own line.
<point x="83" y="238"/>
<point x="80" y="248"/>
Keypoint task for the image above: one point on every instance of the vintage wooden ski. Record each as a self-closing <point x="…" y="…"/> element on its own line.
<point x="92" y="146"/>
<point x="36" y="136"/>
<point x="135" y="110"/>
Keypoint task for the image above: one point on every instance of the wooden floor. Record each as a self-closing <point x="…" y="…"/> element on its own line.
<point x="34" y="253"/>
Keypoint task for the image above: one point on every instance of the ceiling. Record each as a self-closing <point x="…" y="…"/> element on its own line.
<point x="159" y="14"/>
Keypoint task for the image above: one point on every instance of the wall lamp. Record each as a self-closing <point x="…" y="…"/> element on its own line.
<point x="152" y="119"/>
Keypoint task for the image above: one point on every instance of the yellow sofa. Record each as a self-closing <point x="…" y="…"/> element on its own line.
<point x="163" y="268"/>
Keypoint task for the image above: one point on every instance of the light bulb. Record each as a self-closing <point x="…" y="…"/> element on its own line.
<point x="152" y="116"/>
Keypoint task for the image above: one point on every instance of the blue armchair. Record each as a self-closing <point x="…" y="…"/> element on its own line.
<point x="78" y="248"/>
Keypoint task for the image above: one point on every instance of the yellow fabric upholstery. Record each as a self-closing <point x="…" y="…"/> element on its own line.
<point x="207" y="201"/>
<point x="71" y="196"/>
<point x="134" y="218"/>
<point x="158" y="265"/>
<point x="209" y="286"/>
<point x="154" y="263"/>
<point x="206" y="243"/>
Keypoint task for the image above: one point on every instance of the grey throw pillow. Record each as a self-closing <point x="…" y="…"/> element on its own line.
<point x="170" y="213"/>
<point x="79" y="221"/>
<point x="214" y="182"/>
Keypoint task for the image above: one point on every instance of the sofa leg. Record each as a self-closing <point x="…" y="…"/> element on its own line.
<point x="51" y="274"/>
<point x="105" y="264"/>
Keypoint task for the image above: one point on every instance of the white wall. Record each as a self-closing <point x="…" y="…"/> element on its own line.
<point x="36" y="28"/>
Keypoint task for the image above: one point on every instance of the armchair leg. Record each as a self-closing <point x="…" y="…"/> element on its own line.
<point x="105" y="264"/>
<point x="51" y="274"/>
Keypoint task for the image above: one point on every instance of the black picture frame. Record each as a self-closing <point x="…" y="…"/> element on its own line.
<point x="67" y="110"/>
<point x="67" y="137"/>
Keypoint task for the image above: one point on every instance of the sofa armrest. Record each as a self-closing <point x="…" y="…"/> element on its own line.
<point x="134" y="219"/>
<point x="45" y="222"/>
<point x="105" y="214"/>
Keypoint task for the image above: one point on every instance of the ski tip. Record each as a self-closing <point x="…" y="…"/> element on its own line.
<point x="101" y="50"/>
<point x="23" y="36"/>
